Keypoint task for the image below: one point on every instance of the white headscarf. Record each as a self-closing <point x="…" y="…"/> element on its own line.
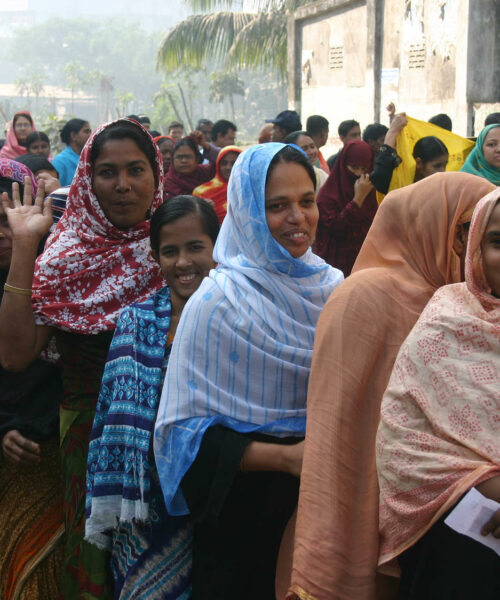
<point x="243" y="348"/>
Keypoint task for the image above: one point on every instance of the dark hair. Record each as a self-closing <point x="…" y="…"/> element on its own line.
<point x="428" y="148"/>
<point x="144" y="119"/>
<point x="123" y="130"/>
<point x="492" y="119"/>
<point x="222" y="126"/>
<point x="374" y="131"/>
<point x="178" y="207"/>
<point x="133" y="117"/>
<point x="441" y="120"/>
<point x="22" y="114"/>
<point x="189" y="142"/>
<point x="289" y="154"/>
<point x="315" y="124"/>
<point x="202" y="122"/>
<point x="6" y="186"/>
<point x="291" y="138"/>
<point x="71" y="126"/>
<point x="153" y="133"/>
<point x="175" y="124"/>
<point x="346" y="126"/>
<point x="36" y="163"/>
<point x="36" y="136"/>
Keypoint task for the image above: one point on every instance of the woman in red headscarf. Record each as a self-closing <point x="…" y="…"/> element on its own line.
<point x="15" y="144"/>
<point x="347" y="205"/>
<point x="216" y="189"/>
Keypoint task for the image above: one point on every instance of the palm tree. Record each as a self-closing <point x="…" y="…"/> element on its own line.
<point x="235" y="39"/>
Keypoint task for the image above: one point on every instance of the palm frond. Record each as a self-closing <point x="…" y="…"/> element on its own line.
<point x="198" y="37"/>
<point x="262" y="42"/>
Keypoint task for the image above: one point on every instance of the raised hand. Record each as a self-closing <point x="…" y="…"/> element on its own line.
<point x="28" y="221"/>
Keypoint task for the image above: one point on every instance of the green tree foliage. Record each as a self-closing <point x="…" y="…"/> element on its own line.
<point x="234" y="39"/>
<point x="225" y="85"/>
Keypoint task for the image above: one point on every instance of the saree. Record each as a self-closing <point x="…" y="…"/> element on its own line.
<point x="407" y="254"/>
<point x="125" y="510"/>
<point x="476" y="162"/>
<point x="438" y="433"/>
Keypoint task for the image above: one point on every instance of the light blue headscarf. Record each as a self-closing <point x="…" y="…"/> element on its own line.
<point x="477" y="164"/>
<point x="243" y="348"/>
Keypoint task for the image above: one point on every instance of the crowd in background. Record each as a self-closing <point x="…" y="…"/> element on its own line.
<point x="248" y="372"/>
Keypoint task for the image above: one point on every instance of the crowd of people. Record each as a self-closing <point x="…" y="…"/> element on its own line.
<point x="247" y="372"/>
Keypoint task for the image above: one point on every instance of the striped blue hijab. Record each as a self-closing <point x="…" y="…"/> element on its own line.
<point x="243" y="347"/>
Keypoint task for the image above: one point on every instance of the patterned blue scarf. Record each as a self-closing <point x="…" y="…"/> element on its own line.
<point x="118" y="479"/>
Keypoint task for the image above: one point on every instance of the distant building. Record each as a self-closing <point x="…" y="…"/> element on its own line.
<point x="349" y="59"/>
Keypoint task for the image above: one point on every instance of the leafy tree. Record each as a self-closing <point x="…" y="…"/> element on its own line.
<point x="225" y="85"/>
<point x="234" y="39"/>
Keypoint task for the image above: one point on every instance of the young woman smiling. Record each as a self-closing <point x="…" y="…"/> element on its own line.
<point x="96" y="262"/>
<point x="150" y="550"/>
<point x="232" y="413"/>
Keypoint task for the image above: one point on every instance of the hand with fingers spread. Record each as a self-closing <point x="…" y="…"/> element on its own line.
<point x="28" y="220"/>
<point x="19" y="449"/>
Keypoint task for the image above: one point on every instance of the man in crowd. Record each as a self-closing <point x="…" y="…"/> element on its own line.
<point x="374" y="135"/>
<point x="283" y="124"/>
<point x="223" y="133"/>
<point x="175" y="130"/>
<point x="348" y="131"/>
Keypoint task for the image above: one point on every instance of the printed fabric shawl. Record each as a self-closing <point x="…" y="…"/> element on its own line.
<point x="91" y="270"/>
<point x="477" y="164"/>
<point x="438" y="435"/>
<point x="16" y="171"/>
<point x="118" y="483"/>
<point x="243" y="349"/>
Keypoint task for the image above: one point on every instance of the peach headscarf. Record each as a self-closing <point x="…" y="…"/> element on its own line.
<point x="438" y="433"/>
<point x="407" y="255"/>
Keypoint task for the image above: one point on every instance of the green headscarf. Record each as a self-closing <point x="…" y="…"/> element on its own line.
<point x="477" y="164"/>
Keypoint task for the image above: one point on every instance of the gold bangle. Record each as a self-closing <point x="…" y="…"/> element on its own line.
<point x="16" y="290"/>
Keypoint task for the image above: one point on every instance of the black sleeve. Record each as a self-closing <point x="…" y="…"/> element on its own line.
<point x="385" y="163"/>
<point x="209" y="479"/>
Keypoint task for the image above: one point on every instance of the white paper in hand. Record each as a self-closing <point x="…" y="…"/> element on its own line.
<point x="469" y="516"/>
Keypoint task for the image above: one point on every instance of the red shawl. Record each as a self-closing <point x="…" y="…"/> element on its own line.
<point x="90" y="270"/>
<point x="176" y="184"/>
<point x="12" y="147"/>
<point x="216" y="189"/>
<point x="342" y="225"/>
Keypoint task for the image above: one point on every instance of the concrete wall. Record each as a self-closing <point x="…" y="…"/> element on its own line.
<point x="349" y="59"/>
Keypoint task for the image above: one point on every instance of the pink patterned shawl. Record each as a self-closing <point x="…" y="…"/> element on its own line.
<point x="440" y="424"/>
<point x="90" y="270"/>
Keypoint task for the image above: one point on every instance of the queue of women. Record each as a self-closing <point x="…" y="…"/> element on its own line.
<point x="228" y="416"/>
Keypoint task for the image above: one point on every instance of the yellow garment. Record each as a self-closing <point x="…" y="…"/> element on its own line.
<point x="404" y="174"/>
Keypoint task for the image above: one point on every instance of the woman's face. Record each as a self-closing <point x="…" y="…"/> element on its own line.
<point x="79" y="139"/>
<point x="22" y="128"/>
<point x="184" y="160"/>
<point x="226" y="164"/>
<point x="166" y="147"/>
<point x="123" y="182"/>
<point x="357" y="170"/>
<point x="491" y="147"/>
<point x="40" y="148"/>
<point x="184" y="255"/>
<point x="490" y="248"/>
<point x="306" y="143"/>
<point x="436" y="165"/>
<point x="291" y="210"/>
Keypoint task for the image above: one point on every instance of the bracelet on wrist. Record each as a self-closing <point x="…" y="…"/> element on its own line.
<point x="17" y="290"/>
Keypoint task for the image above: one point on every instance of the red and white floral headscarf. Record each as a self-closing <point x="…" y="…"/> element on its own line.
<point x="90" y="270"/>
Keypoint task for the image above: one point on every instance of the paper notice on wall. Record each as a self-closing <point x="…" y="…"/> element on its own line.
<point x="469" y="516"/>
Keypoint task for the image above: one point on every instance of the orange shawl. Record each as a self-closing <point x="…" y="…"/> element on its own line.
<point x="438" y="434"/>
<point x="407" y="254"/>
<point x="216" y="189"/>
